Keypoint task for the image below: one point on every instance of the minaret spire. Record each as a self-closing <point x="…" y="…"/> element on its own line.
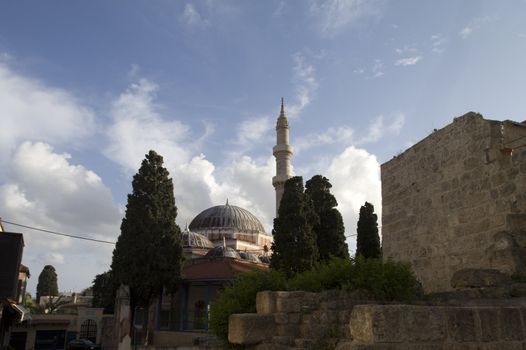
<point x="283" y="154"/>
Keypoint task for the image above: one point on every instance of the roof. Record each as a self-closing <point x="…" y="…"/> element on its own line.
<point x="195" y="240"/>
<point x="217" y="268"/>
<point x="227" y="216"/>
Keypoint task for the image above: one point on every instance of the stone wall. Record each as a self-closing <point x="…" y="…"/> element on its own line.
<point x="295" y="320"/>
<point x="340" y="321"/>
<point x="406" y="327"/>
<point x="457" y="200"/>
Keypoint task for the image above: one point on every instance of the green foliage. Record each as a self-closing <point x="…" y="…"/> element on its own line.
<point x="50" y="306"/>
<point x="47" y="282"/>
<point x="368" y="240"/>
<point x="148" y="254"/>
<point x="332" y="274"/>
<point x="241" y="298"/>
<point x="294" y="247"/>
<point x="330" y="232"/>
<point x="387" y="281"/>
<point x="104" y="289"/>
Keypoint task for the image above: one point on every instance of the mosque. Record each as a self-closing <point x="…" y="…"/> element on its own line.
<point x="220" y="243"/>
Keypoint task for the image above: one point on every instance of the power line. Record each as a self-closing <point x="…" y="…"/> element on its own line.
<point x="56" y="233"/>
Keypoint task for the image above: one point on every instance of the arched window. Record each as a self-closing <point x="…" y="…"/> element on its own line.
<point x="88" y="330"/>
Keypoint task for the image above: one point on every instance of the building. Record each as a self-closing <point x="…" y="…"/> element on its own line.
<point x="282" y="151"/>
<point x="232" y="226"/>
<point x="456" y="201"/>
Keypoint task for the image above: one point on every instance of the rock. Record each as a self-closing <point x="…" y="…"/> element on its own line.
<point x="250" y="328"/>
<point x="476" y="278"/>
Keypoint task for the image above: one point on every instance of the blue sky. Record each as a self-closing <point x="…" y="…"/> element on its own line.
<point x="87" y="88"/>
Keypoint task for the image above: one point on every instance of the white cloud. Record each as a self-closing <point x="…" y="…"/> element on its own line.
<point x="377" y="70"/>
<point x="253" y="131"/>
<point x="355" y="177"/>
<point x="341" y="135"/>
<point x="378" y="129"/>
<point x="32" y="110"/>
<point x="408" y="61"/>
<point x="306" y="85"/>
<point x="335" y="15"/>
<point x="43" y="189"/>
<point x="408" y="49"/>
<point x="437" y="43"/>
<point x="473" y="26"/>
<point x="138" y="127"/>
<point x="193" y="18"/>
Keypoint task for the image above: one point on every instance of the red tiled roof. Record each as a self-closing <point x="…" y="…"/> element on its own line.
<point x="217" y="268"/>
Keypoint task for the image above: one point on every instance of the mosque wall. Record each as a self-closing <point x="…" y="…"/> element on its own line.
<point x="457" y="200"/>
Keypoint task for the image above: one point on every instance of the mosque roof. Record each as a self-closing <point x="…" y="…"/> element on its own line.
<point x="195" y="240"/>
<point x="227" y="216"/>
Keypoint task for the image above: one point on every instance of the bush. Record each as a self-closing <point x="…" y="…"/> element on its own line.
<point x="336" y="273"/>
<point x="387" y="281"/>
<point x="241" y="298"/>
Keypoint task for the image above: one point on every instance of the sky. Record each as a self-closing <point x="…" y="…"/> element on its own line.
<point x="88" y="88"/>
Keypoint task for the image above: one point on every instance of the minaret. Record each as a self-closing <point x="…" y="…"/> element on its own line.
<point x="283" y="153"/>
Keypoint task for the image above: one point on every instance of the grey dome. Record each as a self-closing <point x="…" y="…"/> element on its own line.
<point x="227" y="216"/>
<point x="195" y="240"/>
<point x="220" y="251"/>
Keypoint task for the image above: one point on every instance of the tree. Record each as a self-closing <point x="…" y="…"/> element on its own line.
<point x="148" y="254"/>
<point x="47" y="282"/>
<point x="294" y="248"/>
<point x="104" y="289"/>
<point x="368" y="240"/>
<point x="330" y="232"/>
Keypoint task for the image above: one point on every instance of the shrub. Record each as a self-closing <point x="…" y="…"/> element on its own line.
<point x="333" y="274"/>
<point x="241" y="298"/>
<point x="387" y="281"/>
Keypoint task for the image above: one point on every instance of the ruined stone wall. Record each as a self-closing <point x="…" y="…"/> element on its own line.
<point x="295" y="320"/>
<point x="338" y="320"/>
<point x="457" y="200"/>
<point x="403" y="327"/>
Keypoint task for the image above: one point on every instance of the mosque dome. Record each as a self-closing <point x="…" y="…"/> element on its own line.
<point x="195" y="240"/>
<point x="227" y="216"/>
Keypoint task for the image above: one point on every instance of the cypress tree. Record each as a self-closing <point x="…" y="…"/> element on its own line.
<point x="294" y="248"/>
<point x="148" y="254"/>
<point x="330" y="232"/>
<point x="368" y="240"/>
<point x="104" y="290"/>
<point x="47" y="282"/>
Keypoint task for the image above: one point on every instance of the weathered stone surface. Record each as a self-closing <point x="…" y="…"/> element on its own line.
<point x="265" y="302"/>
<point x="377" y="323"/>
<point x="250" y="328"/>
<point x="461" y="324"/>
<point x="489" y="324"/>
<point x="475" y="278"/>
<point x="511" y="324"/>
<point x="424" y="324"/>
<point x="445" y="199"/>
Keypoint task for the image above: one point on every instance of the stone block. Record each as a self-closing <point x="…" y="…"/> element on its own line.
<point x="266" y="302"/>
<point x="288" y="304"/>
<point x="511" y="324"/>
<point x="250" y="328"/>
<point x="281" y="318"/>
<point x="489" y="324"/>
<point x="476" y="278"/>
<point x="425" y="324"/>
<point x="501" y="346"/>
<point x="283" y="340"/>
<point x="377" y="323"/>
<point x="461" y="324"/>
